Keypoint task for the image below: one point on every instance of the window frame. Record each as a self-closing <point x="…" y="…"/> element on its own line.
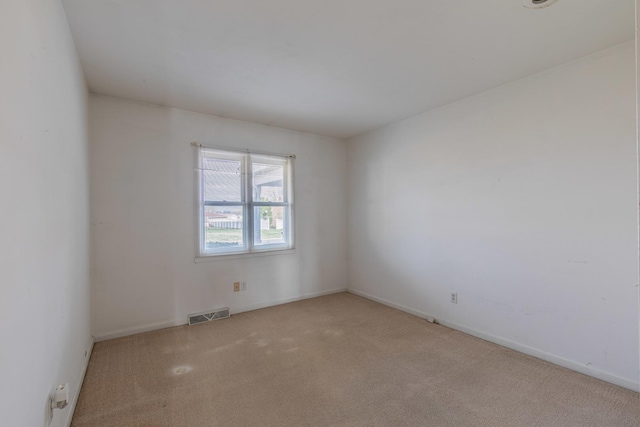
<point x="248" y="205"/>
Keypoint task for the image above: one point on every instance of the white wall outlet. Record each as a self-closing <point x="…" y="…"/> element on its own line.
<point x="59" y="399"/>
<point x="454" y="297"/>
<point x="243" y="286"/>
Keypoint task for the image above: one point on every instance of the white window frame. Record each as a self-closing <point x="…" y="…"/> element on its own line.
<point x="247" y="203"/>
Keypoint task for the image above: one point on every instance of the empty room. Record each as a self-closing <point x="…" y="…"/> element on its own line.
<point x="319" y="213"/>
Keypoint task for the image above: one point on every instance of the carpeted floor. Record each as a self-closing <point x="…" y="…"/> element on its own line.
<point x="338" y="360"/>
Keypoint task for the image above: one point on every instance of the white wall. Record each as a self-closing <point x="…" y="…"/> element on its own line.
<point x="638" y="139"/>
<point x="142" y="204"/>
<point x="522" y="200"/>
<point x="44" y="212"/>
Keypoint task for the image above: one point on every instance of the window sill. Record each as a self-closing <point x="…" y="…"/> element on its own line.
<point x="210" y="258"/>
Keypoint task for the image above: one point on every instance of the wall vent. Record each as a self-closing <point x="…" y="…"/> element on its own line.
<point x="208" y="316"/>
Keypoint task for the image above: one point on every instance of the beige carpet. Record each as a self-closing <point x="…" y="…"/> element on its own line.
<point x="338" y="360"/>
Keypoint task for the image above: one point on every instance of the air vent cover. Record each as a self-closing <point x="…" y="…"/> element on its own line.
<point x="207" y="316"/>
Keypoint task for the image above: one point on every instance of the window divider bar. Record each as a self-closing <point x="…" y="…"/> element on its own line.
<point x="269" y="204"/>
<point x="248" y="188"/>
<point x="210" y="203"/>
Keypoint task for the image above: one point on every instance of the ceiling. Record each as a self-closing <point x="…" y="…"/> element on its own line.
<point x="332" y="67"/>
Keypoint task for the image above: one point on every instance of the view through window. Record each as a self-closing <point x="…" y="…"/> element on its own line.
<point x="245" y="202"/>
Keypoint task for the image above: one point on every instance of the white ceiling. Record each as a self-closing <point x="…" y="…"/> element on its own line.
<point x="332" y="67"/>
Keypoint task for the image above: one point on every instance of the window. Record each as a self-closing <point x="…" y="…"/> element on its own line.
<point x="245" y="202"/>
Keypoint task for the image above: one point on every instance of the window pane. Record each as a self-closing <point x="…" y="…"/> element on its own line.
<point x="267" y="182"/>
<point x="222" y="180"/>
<point x="223" y="228"/>
<point x="269" y="224"/>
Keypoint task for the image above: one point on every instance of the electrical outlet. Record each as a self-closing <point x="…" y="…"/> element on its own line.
<point x="454" y="297"/>
<point x="236" y="286"/>
<point x="243" y="286"/>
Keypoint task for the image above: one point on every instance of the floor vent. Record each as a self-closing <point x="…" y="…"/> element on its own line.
<point x="208" y="316"/>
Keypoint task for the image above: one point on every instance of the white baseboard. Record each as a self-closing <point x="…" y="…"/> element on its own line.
<point x="76" y="393"/>
<point x="252" y="307"/>
<point x="233" y="310"/>
<point x="139" y="329"/>
<point x="552" y="358"/>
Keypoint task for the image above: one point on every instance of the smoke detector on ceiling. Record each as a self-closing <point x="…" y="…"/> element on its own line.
<point x="537" y="4"/>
